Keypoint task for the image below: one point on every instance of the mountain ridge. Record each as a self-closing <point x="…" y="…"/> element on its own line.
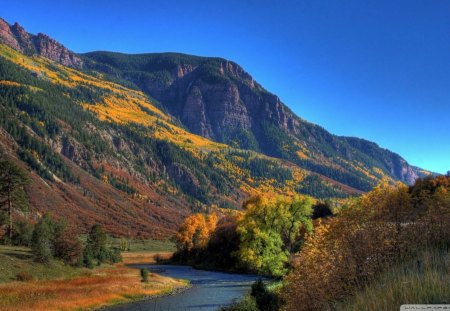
<point x="223" y="99"/>
<point x="16" y="37"/>
<point x="163" y="136"/>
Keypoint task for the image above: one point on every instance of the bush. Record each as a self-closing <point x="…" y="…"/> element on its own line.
<point x="23" y="233"/>
<point x="158" y="258"/>
<point x="115" y="255"/>
<point x="144" y="275"/>
<point x="248" y="303"/>
<point x="88" y="260"/>
<point x="68" y="247"/>
<point x="265" y="299"/>
<point x="24" y="276"/>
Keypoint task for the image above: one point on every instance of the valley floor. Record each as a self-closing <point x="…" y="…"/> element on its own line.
<point x="59" y="287"/>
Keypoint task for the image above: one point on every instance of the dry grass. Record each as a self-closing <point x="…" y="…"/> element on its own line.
<point x="104" y="286"/>
<point x="144" y="257"/>
<point x="425" y="280"/>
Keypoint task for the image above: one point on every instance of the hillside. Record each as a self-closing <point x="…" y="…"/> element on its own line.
<point x="116" y="139"/>
<point x="217" y="99"/>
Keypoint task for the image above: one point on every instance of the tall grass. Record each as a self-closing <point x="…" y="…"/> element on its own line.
<point x="425" y="280"/>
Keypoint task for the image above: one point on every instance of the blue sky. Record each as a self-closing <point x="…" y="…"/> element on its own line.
<point x="379" y="70"/>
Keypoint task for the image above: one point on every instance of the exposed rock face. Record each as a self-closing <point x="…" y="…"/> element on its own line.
<point x="17" y="38"/>
<point x="235" y="101"/>
<point x="74" y="151"/>
<point x="217" y="99"/>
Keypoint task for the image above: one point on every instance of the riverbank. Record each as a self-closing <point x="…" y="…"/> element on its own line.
<point x="84" y="289"/>
<point x="209" y="291"/>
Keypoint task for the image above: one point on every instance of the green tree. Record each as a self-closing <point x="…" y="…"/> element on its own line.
<point x="12" y="194"/>
<point x="96" y="243"/>
<point x="271" y="230"/>
<point x="96" y="248"/>
<point x="43" y="239"/>
<point x="144" y="275"/>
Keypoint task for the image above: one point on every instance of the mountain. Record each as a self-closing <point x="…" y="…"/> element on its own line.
<point x="16" y="37"/>
<point x="137" y="142"/>
<point x="217" y="99"/>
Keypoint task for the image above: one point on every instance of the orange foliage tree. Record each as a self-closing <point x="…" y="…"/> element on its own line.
<point x="385" y="226"/>
<point x="195" y="231"/>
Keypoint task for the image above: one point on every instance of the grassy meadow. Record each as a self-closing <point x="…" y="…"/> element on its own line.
<point x="58" y="286"/>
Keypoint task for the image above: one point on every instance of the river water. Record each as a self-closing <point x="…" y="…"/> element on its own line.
<point x="209" y="290"/>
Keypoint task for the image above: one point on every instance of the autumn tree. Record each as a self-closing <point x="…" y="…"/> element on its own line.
<point x="384" y="227"/>
<point x="13" y="179"/>
<point x="271" y="230"/>
<point x="195" y="231"/>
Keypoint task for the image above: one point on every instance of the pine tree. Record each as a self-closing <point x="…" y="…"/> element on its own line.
<point x="12" y="194"/>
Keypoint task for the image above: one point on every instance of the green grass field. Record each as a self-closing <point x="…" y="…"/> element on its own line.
<point x="135" y="245"/>
<point x="15" y="259"/>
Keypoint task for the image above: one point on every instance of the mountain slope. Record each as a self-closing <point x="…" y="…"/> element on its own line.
<point x="100" y="152"/>
<point x="100" y="148"/>
<point x="217" y="99"/>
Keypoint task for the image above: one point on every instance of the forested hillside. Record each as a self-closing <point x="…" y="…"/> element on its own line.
<point x="217" y="99"/>
<point x="114" y="138"/>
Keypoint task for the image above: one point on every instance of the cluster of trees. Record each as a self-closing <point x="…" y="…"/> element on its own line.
<point x="385" y="227"/>
<point x="259" y="167"/>
<point x="314" y="186"/>
<point x="50" y="239"/>
<point x="47" y="238"/>
<point x="261" y="239"/>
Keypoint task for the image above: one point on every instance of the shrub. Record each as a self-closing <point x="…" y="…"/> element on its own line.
<point x="88" y="260"/>
<point x="265" y="299"/>
<point x="24" y="276"/>
<point x="158" y="258"/>
<point x="144" y="275"/>
<point x="115" y="255"/>
<point x="247" y="303"/>
<point x="23" y="233"/>
<point x="68" y="247"/>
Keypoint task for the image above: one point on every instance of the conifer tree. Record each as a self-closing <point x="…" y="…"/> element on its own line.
<point x="13" y="179"/>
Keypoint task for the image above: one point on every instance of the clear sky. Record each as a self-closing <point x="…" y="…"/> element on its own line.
<point x="377" y="69"/>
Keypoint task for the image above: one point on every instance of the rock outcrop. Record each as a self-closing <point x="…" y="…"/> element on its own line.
<point x="217" y="99"/>
<point x="17" y="38"/>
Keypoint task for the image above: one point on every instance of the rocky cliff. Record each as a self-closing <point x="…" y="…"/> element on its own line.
<point x="217" y="99"/>
<point x="16" y="37"/>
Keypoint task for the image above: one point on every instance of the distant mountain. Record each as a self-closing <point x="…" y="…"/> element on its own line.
<point x="137" y="142"/>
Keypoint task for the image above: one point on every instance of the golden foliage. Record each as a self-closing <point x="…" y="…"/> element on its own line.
<point x="387" y="225"/>
<point x="196" y="231"/>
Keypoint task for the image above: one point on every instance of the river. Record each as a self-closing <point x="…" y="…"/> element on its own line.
<point x="209" y="290"/>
